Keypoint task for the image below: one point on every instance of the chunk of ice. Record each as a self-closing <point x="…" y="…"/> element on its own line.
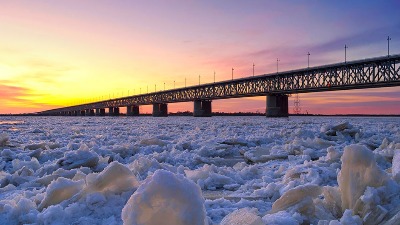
<point x="359" y="170"/>
<point x="244" y="216"/>
<point x="165" y="198"/>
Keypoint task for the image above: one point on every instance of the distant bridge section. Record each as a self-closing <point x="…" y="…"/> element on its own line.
<point x="366" y="73"/>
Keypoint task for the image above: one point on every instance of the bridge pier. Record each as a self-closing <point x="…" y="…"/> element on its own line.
<point x="113" y="111"/>
<point x="160" y="110"/>
<point x="82" y="113"/>
<point x="202" y="108"/>
<point x="75" y="113"/>
<point x="277" y="105"/>
<point x="91" y="112"/>
<point x="100" y="112"/>
<point x="132" y="110"/>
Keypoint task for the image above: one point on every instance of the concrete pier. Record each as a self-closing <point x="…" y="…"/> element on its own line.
<point x="115" y="111"/>
<point x="100" y="112"/>
<point x="132" y="110"/>
<point x="160" y="110"/>
<point x="110" y="111"/>
<point x="277" y="106"/>
<point x="82" y="113"/>
<point x="202" y="108"/>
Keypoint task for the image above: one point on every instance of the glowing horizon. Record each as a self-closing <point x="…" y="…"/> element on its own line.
<point x="55" y="54"/>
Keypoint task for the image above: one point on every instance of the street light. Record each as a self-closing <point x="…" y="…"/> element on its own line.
<point x="308" y="62"/>
<point x="345" y="53"/>
<point x="253" y="69"/>
<point x="174" y="84"/>
<point x="214" y="76"/>
<point x="199" y="79"/>
<point x="277" y="65"/>
<point x="388" y="39"/>
<point x="232" y="73"/>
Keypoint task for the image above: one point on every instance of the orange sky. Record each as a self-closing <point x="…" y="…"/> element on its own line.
<point x="59" y="53"/>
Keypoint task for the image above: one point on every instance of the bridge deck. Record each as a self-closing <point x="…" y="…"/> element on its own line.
<point x="366" y="73"/>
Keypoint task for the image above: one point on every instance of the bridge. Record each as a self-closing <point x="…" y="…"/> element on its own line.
<point x="366" y="73"/>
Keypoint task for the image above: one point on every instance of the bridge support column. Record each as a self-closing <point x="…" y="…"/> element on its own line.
<point x="82" y="113"/>
<point x="277" y="106"/>
<point x="110" y="111"/>
<point x="132" y="110"/>
<point x="116" y="111"/>
<point x="202" y="108"/>
<point x="91" y="112"/>
<point x="75" y="113"/>
<point x="100" y="112"/>
<point x="160" y="110"/>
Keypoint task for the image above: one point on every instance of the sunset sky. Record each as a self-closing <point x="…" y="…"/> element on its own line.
<point x="66" y="52"/>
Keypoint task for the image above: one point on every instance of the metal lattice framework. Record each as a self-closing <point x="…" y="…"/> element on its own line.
<point x="367" y="73"/>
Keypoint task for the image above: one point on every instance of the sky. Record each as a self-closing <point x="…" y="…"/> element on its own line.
<point x="67" y="52"/>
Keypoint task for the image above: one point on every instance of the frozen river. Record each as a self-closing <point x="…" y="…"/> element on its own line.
<point x="186" y="170"/>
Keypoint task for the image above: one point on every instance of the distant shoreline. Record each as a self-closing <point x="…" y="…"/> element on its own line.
<point x="241" y="114"/>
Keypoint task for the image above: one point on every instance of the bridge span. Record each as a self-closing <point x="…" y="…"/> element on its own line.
<point x="366" y="73"/>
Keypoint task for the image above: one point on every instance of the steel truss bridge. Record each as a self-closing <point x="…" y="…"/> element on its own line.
<point x="365" y="73"/>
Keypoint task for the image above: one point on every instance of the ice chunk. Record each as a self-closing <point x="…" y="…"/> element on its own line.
<point x="75" y="159"/>
<point x="208" y="177"/>
<point x="116" y="178"/>
<point x="165" y="198"/>
<point x="280" y="218"/>
<point x="349" y="219"/>
<point x="396" y="166"/>
<point x="35" y="146"/>
<point x="359" y="170"/>
<point x="152" y="141"/>
<point x="332" y="154"/>
<point x="60" y="190"/>
<point x="3" y="139"/>
<point x="262" y="154"/>
<point x="243" y="216"/>
<point x="295" y="196"/>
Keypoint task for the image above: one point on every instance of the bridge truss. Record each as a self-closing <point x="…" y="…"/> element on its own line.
<point x="366" y="73"/>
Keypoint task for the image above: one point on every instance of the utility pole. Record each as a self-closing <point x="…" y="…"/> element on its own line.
<point x="277" y="65"/>
<point x="388" y="39"/>
<point x="214" y="76"/>
<point x="308" y="61"/>
<point x="345" y="53"/>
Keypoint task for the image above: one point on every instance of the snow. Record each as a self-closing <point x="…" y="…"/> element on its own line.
<point x="165" y="198"/>
<point x="218" y="170"/>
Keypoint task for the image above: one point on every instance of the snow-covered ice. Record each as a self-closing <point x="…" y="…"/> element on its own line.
<point x="185" y="170"/>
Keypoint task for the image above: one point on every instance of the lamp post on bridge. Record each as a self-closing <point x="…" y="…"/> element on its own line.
<point x="214" y="76"/>
<point x="199" y="79"/>
<point x="277" y="65"/>
<point x="232" y="73"/>
<point x="308" y="60"/>
<point x="185" y="82"/>
<point x="388" y="39"/>
<point x="174" y="84"/>
<point x="345" y="53"/>
<point x="164" y="86"/>
<point x="253" y="69"/>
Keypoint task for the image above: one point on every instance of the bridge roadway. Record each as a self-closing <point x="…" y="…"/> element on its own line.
<point x="367" y="73"/>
